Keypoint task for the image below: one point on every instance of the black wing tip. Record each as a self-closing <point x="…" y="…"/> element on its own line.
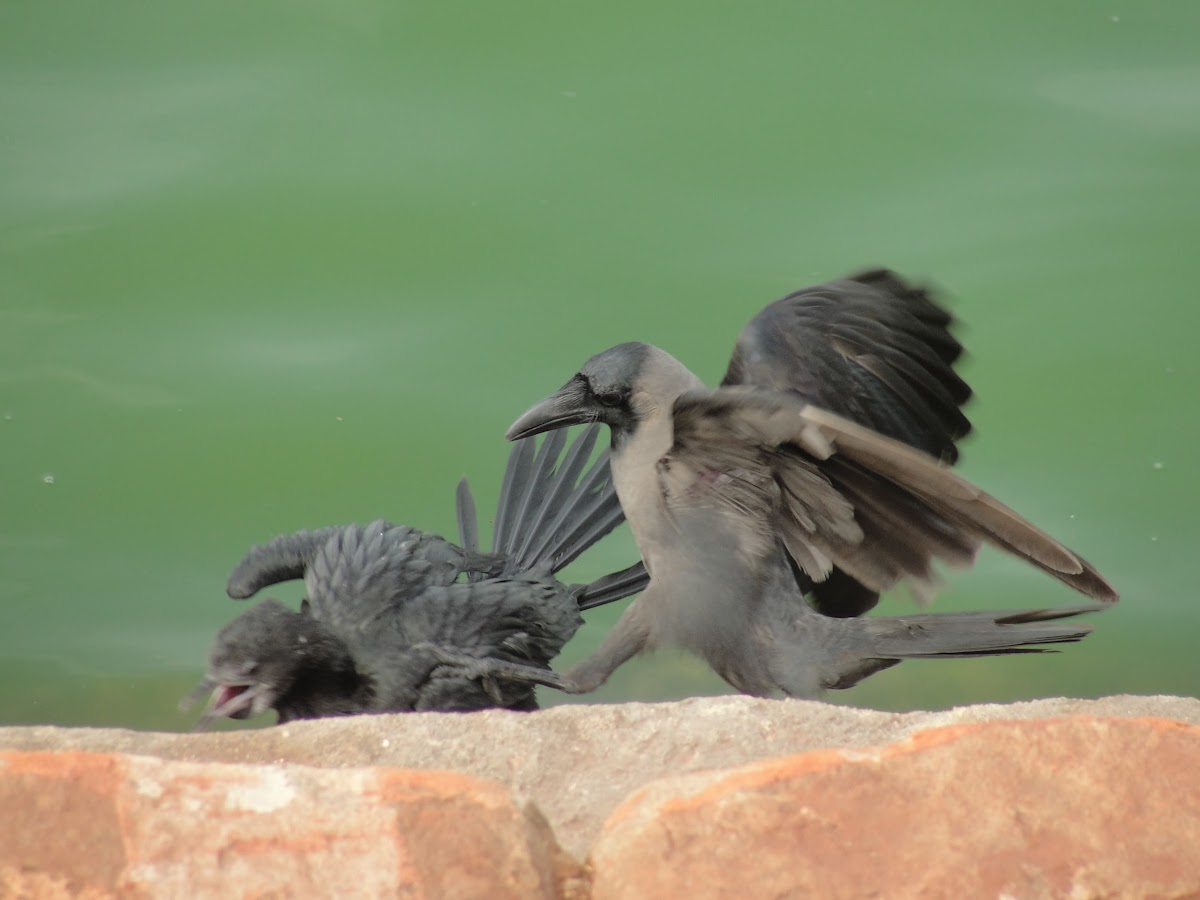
<point x="468" y="519"/>
<point x="249" y="576"/>
<point x="238" y="590"/>
<point x="614" y="586"/>
<point x="1093" y="584"/>
<point x="923" y="300"/>
<point x="284" y="558"/>
<point x="1027" y="616"/>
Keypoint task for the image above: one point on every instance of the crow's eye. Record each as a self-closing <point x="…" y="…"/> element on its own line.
<point x="610" y="398"/>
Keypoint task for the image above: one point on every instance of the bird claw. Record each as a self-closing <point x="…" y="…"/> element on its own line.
<point x="491" y="687"/>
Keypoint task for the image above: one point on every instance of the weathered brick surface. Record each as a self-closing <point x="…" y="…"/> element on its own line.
<point x="101" y="825"/>
<point x="1080" y="808"/>
<point x="576" y="763"/>
<point x="724" y="797"/>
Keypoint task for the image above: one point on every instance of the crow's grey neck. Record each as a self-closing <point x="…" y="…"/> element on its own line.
<point x="635" y="476"/>
<point x="637" y="450"/>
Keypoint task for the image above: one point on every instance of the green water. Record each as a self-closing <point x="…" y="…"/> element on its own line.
<point x="273" y="265"/>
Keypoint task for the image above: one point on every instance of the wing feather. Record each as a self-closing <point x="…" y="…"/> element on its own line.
<point x="869" y="347"/>
<point x="836" y="492"/>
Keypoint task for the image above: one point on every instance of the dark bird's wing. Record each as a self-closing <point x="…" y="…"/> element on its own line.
<point x="364" y="573"/>
<point x="285" y="558"/>
<point x="353" y="573"/>
<point x="515" y="619"/>
<point x="840" y="495"/>
<point x="486" y="644"/>
<point x="870" y="348"/>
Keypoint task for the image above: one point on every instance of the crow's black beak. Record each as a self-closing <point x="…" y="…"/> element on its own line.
<point x="569" y="405"/>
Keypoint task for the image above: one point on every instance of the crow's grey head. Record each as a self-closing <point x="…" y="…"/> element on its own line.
<point x="621" y="387"/>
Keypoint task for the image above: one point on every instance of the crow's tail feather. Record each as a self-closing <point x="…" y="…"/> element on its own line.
<point x="893" y="639"/>
<point x="976" y="633"/>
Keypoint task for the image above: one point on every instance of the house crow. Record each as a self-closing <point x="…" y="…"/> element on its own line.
<point x="820" y="467"/>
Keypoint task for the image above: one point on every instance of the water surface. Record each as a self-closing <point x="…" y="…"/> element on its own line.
<point x="277" y="265"/>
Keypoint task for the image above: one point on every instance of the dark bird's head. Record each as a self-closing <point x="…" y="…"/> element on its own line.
<point x="623" y="387"/>
<point x="271" y="657"/>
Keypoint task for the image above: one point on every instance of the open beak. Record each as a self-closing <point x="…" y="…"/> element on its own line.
<point x="569" y="405"/>
<point x="232" y="701"/>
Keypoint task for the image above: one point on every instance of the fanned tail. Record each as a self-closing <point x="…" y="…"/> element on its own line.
<point x="551" y="510"/>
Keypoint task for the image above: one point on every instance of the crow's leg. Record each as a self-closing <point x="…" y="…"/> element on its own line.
<point x="628" y="638"/>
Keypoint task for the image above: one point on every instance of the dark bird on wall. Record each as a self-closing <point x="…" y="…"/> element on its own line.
<point x="396" y="619"/>
<point x="820" y="467"/>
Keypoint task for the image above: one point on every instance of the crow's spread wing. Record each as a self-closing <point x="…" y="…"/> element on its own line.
<point x="842" y="496"/>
